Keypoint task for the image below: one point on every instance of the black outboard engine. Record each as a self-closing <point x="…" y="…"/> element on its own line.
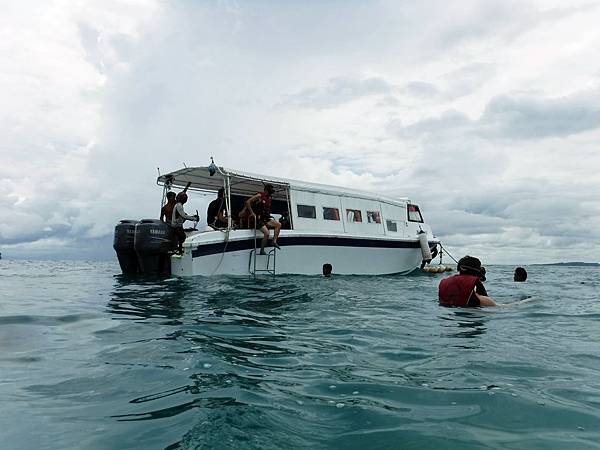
<point x="154" y="240"/>
<point x="123" y="245"/>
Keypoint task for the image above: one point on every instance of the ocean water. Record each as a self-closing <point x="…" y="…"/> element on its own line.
<point x="90" y="359"/>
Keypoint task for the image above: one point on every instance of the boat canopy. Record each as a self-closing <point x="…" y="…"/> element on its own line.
<point x="245" y="183"/>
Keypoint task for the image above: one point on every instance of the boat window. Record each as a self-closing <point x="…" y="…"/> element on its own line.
<point x="391" y="225"/>
<point x="414" y="215"/>
<point x="331" y="213"/>
<point x="307" y="211"/>
<point x="353" y="215"/>
<point x="373" y="217"/>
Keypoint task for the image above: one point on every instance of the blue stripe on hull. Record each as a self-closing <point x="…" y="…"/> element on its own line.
<point x="248" y="244"/>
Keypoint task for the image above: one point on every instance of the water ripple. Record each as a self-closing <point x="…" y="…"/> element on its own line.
<point x="93" y="360"/>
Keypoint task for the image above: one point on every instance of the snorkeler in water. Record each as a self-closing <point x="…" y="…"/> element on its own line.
<point x="466" y="288"/>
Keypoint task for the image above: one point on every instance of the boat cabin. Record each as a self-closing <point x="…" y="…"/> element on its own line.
<point x="312" y="207"/>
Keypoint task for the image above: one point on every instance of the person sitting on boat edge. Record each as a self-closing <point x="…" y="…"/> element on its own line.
<point x="178" y="219"/>
<point x="216" y="214"/>
<point x="261" y="215"/>
<point x="166" y="212"/>
<point x="465" y="288"/>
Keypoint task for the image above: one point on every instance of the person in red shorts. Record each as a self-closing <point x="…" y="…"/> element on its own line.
<point x="259" y="207"/>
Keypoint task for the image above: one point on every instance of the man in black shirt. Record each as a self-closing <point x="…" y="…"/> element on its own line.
<point x="216" y="215"/>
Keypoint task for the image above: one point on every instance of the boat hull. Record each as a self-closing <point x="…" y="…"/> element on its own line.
<point x="214" y="253"/>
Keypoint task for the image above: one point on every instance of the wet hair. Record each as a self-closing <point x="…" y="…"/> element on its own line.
<point x="269" y="188"/>
<point x="171" y="194"/>
<point x="520" y="274"/>
<point x="469" y="265"/>
<point x="327" y="268"/>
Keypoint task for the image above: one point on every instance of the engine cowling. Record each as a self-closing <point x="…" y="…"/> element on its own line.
<point x="153" y="242"/>
<point x="123" y="243"/>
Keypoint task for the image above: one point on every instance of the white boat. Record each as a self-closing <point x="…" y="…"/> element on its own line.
<point x="357" y="232"/>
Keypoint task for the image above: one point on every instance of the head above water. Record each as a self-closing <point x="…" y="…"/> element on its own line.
<point x="469" y="265"/>
<point x="327" y="268"/>
<point x="520" y="274"/>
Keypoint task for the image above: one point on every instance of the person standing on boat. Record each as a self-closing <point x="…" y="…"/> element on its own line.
<point x="178" y="219"/>
<point x="466" y="288"/>
<point x="216" y="214"/>
<point x="166" y="212"/>
<point x="261" y="215"/>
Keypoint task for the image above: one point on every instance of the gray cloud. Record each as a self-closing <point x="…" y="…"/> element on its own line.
<point x="467" y="79"/>
<point x="450" y="121"/>
<point x="404" y="98"/>
<point x="338" y="91"/>
<point x="535" y="118"/>
<point x="514" y="118"/>
<point x="421" y="89"/>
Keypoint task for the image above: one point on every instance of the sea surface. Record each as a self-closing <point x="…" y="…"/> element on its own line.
<point x="90" y="359"/>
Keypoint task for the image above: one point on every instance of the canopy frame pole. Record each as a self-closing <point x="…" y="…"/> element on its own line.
<point x="227" y="186"/>
<point x="166" y="187"/>
<point x="289" y="203"/>
<point x="228" y="201"/>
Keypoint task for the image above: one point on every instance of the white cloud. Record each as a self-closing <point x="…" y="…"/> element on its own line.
<point x="484" y="113"/>
<point x="337" y="92"/>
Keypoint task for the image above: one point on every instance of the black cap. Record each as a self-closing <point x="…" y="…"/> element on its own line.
<point x="470" y="265"/>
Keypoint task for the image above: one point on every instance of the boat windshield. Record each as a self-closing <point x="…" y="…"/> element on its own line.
<point x="414" y="214"/>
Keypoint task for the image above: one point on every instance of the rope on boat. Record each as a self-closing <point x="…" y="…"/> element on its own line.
<point x="440" y="268"/>
<point x="448" y="253"/>
<point x="223" y="252"/>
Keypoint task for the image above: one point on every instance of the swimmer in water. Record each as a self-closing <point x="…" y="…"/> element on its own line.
<point x="466" y="288"/>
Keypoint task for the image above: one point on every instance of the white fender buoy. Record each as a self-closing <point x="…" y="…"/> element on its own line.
<point x="425" y="252"/>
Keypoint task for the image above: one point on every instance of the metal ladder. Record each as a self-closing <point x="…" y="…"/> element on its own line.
<point x="252" y="261"/>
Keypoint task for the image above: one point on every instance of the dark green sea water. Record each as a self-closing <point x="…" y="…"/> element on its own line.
<point x="92" y="360"/>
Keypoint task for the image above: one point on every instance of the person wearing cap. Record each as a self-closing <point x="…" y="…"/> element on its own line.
<point x="466" y="288"/>
<point x="178" y="219"/>
<point x="261" y="215"/>
<point x="166" y="212"/>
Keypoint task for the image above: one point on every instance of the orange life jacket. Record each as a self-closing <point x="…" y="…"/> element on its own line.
<point x="456" y="290"/>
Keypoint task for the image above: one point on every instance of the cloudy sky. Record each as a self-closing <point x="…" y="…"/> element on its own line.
<point x="484" y="112"/>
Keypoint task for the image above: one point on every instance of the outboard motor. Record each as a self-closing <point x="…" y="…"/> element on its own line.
<point x="123" y="245"/>
<point x="154" y="240"/>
